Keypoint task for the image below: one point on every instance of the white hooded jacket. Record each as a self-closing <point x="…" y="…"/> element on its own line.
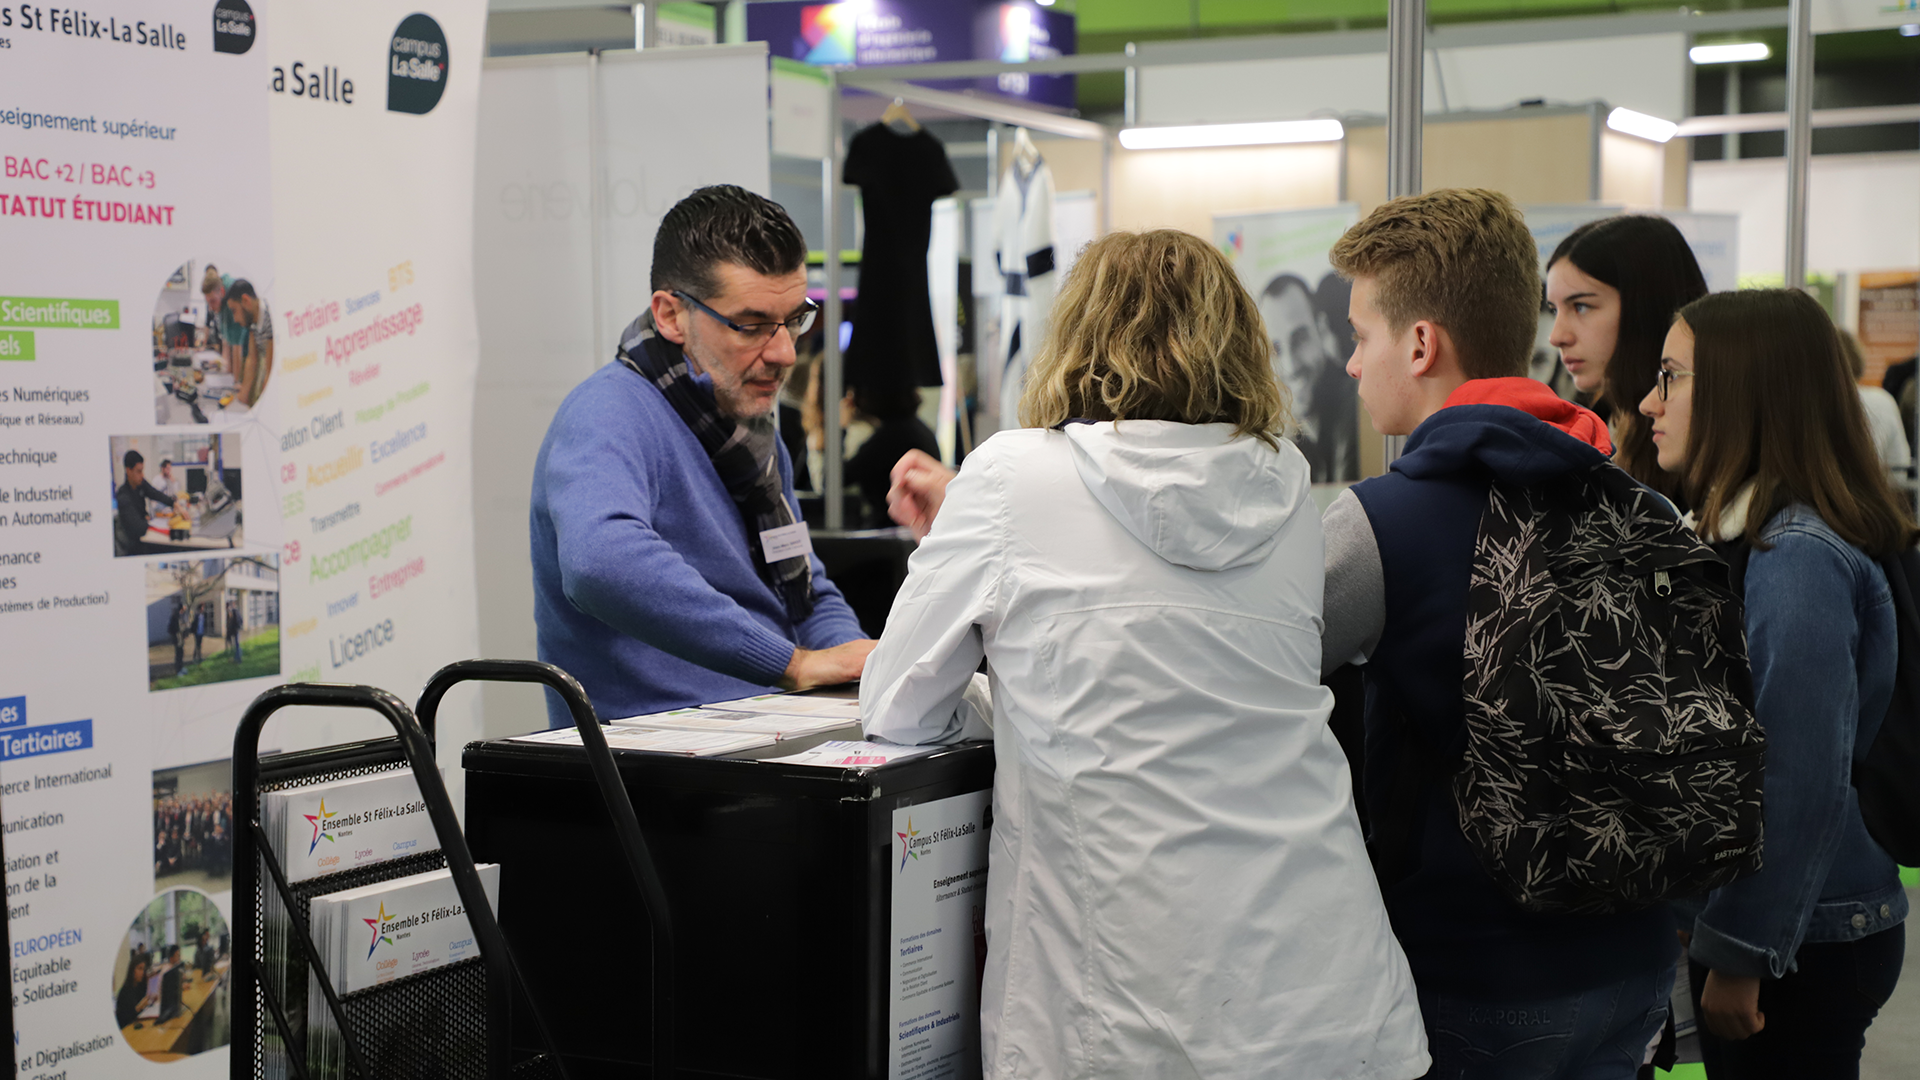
<point x="1177" y="881"/>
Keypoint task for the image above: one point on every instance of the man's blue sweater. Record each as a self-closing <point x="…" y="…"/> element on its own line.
<point x="644" y="587"/>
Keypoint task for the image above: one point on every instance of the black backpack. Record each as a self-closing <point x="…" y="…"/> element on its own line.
<point x="1884" y="773"/>
<point x="1612" y="759"/>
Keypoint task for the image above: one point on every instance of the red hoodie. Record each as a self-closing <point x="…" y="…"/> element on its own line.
<point x="1531" y="396"/>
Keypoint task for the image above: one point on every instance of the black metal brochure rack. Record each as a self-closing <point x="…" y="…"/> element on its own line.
<point x="449" y="1023"/>
<point x="613" y="793"/>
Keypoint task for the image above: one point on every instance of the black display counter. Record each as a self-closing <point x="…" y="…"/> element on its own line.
<point x="779" y="881"/>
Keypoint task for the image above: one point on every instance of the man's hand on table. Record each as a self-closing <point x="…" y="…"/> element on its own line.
<point x="826" y="667"/>
<point x="919" y="486"/>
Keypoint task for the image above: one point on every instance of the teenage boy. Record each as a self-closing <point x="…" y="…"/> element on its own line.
<point x="1446" y="294"/>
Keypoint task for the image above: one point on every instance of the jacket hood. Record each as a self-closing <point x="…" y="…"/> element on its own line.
<point x="1193" y="493"/>
<point x="1522" y="434"/>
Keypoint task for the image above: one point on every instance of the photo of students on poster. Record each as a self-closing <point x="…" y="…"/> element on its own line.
<point x="175" y="493"/>
<point x="235" y="602"/>
<point x="212" y="346"/>
<point x="193" y="827"/>
<point x="172" y="978"/>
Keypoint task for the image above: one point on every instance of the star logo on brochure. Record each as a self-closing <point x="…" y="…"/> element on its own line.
<point x="318" y="821"/>
<point x="906" y="844"/>
<point x="378" y="937"/>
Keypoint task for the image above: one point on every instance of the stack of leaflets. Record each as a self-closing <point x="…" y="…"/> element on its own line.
<point x="377" y="934"/>
<point x="854" y="755"/>
<point x="778" y="725"/>
<point x="725" y="728"/>
<point x="328" y="828"/>
<point x="685" y="743"/>
<point x="846" y="710"/>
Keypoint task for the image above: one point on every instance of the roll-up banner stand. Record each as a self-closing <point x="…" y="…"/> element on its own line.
<point x="237" y="351"/>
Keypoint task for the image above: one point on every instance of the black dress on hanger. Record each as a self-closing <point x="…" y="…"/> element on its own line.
<point x="899" y="177"/>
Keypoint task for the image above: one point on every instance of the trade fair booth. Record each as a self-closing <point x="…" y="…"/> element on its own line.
<point x="309" y="283"/>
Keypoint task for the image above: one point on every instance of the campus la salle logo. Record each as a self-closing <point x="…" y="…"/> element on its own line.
<point x="378" y="937"/>
<point x="906" y="844"/>
<point x="318" y="821"/>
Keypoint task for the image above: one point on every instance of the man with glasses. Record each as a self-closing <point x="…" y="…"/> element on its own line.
<point x="670" y="567"/>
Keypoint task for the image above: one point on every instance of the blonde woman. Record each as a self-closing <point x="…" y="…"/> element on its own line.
<point x="1178" y="884"/>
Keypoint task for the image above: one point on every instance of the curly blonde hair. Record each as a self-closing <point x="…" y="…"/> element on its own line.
<point x="1156" y="326"/>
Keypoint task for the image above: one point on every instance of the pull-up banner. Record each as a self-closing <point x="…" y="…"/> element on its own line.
<point x="236" y="355"/>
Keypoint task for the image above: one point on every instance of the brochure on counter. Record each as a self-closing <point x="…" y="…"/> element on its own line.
<point x="843" y="754"/>
<point x="722" y="728"/>
<point x="778" y="725"/>
<point x="847" y="710"/>
<point x="686" y="743"/>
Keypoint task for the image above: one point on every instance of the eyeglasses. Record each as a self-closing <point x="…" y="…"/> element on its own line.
<point x="761" y="331"/>
<point x="1667" y="375"/>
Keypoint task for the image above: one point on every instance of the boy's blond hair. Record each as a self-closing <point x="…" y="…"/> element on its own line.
<point x="1156" y="326"/>
<point x="1459" y="257"/>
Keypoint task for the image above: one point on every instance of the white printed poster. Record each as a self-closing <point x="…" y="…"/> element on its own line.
<point x="1281" y="257"/>
<point x="939" y="937"/>
<point x="236" y="355"/>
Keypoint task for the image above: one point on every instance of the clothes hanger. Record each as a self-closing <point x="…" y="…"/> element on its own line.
<point x="899" y="118"/>
<point x="1023" y="149"/>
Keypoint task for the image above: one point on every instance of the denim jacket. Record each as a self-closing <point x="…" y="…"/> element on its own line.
<point x="1823" y="642"/>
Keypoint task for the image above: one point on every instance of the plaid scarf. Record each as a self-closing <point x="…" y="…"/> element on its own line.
<point x="747" y="458"/>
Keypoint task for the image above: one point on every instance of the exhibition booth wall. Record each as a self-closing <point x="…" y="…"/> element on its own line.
<point x="441" y="251"/>
<point x="318" y="521"/>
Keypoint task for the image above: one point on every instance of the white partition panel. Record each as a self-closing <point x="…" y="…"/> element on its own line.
<point x="669" y="121"/>
<point x="1647" y="72"/>
<point x="1862" y="212"/>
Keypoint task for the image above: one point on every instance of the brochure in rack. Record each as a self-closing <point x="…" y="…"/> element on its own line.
<point x="379" y="933"/>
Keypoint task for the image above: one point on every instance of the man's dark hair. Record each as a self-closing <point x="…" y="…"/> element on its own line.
<point x="240" y="289"/>
<point x="1282" y="282"/>
<point x="717" y="224"/>
<point x="132" y="458"/>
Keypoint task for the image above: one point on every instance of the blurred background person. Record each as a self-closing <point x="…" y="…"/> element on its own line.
<point x="892" y="413"/>
<point x="1883" y="416"/>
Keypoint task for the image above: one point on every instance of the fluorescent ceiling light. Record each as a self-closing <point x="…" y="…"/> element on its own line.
<point x="1639" y="123"/>
<point x="1734" y="53"/>
<point x="1279" y="131"/>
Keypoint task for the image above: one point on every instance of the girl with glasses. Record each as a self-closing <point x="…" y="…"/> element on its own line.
<point x="1754" y="414"/>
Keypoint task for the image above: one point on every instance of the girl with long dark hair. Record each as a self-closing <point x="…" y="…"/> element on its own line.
<point x="1754" y="412"/>
<point x="1614" y="285"/>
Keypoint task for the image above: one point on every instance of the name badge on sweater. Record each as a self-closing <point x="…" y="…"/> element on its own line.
<point x="786" y="541"/>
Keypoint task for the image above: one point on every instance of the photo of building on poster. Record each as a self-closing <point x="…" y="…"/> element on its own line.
<point x="193" y="827"/>
<point x="212" y="346"/>
<point x="175" y="494"/>
<point x="172" y="978"/>
<point x="212" y="620"/>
